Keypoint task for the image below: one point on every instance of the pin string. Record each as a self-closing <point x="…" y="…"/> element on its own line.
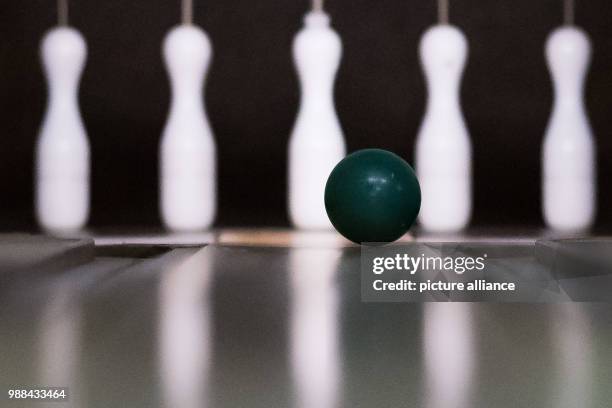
<point x="569" y="9"/>
<point x="317" y="5"/>
<point x="443" y="11"/>
<point x="188" y="12"/>
<point x="62" y="12"/>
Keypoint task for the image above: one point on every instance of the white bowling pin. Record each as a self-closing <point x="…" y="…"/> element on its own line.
<point x="316" y="144"/>
<point x="443" y="149"/>
<point x="62" y="153"/>
<point x="187" y="150"/>
<point x="568" y="153"/>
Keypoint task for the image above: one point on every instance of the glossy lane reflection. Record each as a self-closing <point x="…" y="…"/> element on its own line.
<point x="315" y="353"/>
<point x="185" y="333"/>
<point x="448" y="345"/>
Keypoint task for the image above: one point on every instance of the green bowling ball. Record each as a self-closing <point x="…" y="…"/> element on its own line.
<point x="372" y="195"/>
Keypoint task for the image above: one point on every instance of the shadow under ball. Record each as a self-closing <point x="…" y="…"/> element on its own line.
<point x="373" y="196"/>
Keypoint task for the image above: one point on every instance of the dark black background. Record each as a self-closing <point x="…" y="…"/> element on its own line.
<point x="252" y="96"/>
